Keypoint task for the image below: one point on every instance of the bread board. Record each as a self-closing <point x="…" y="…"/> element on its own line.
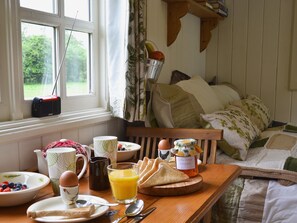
<point x="181" y="188"/>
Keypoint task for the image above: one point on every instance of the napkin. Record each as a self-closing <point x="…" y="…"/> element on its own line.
<point x="84" y="212"/>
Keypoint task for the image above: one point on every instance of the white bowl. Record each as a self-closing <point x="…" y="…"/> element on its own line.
<point x="131" y="149"/>
<point x="129" y="152"/>
<point x="34" y="182"/>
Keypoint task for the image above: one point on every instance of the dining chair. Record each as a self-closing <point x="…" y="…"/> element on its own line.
<point x="149" y="138"/>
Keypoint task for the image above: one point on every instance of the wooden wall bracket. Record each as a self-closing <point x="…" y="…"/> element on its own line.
<point x="176" y="9"/>
<point x="206" y="25"/>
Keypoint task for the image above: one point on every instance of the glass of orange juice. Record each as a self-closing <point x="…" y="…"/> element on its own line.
<point x="123" y="178"/>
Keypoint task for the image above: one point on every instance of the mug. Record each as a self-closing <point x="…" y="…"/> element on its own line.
<point x="59" y="160"/>
<point x="106" y="146"/>
<point x="98" y="177"/>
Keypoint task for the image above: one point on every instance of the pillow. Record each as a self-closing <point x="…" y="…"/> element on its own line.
<point x="175" y="108"/>
<point x="203" y="93"/>
<point x="225" y="93"/>
<point x="239" y="131"/>
<point x="256" y="110"/>
<point x="178" y="76"/>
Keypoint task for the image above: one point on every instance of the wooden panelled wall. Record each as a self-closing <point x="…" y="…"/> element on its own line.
<point x="252" y="49"/>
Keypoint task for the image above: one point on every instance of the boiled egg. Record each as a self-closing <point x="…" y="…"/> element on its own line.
<point x="164" y="144"/>
<point x="68" y="179"/>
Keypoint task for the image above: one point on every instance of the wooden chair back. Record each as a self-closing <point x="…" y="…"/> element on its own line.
<point x="149" y="138"/>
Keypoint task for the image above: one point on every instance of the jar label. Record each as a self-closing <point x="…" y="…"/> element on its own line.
<point x="185" y="163"/>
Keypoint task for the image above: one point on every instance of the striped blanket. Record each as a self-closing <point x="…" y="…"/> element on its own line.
<point x="265" y="192"/>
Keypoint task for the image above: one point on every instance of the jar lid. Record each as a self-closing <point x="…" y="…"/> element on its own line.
<point x="185" y="142"/>
<point x="186" y="147"/>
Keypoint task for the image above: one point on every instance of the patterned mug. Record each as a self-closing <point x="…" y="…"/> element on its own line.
<point x="106" y="146"/>
<point x="59" y="160"/>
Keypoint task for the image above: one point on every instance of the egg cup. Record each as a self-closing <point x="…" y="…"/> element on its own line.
<point x="69" y="195"/>
<point x="164" y="154"/>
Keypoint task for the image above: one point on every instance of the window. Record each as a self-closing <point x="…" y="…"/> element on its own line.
<point x="52" y="48"/>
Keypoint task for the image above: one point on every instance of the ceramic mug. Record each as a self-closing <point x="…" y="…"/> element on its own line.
<point x="106" y="146"/>
<point x="98" y="177"/>
<point x="59" y="160"/>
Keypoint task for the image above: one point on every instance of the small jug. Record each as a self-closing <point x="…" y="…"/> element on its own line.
<point x="98" y="176"/>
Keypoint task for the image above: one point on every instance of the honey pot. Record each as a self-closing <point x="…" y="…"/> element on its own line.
<point x="186" y="152"/>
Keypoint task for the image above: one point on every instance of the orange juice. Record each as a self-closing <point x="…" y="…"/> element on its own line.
<point x="123" y="184"/>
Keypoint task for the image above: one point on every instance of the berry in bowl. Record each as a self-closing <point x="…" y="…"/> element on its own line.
<point x="20" y="187"/>
<point x="126" y="150"/>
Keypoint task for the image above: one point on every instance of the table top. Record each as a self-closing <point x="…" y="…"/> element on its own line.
<point x="184" y="208"/>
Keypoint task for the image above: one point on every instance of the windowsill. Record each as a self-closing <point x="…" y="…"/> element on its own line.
<point x="10" y="131"/>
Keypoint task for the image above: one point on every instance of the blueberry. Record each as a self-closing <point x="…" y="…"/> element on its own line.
<point x="11" y="185"/>
<point x="4" y="186"/>
<point x="18" y="185"/>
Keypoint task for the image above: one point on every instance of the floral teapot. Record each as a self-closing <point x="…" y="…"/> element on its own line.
<point x="80" y="149"/>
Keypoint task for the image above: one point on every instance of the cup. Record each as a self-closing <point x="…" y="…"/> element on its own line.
<point x="106" y="146"/>
<point x="123" y="178"/>
<point x="69" y="194"/>
<point x="98" y="176"/>
<point x="59" y="160"/>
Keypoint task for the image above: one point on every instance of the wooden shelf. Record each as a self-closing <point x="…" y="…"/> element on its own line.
<point x="176" y="9"/>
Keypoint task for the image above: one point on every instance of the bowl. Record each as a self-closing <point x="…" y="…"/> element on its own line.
<point x="129" y="151"/>
<point x="34" y="182"/>
<point x="124" y="155"/>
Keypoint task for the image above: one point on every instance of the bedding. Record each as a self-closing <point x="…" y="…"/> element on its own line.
<point x="267" y="188"/>
<point x="266" y="191"/>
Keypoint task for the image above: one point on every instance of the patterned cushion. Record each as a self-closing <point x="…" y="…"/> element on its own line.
<point x="239" y="131"/>
<point x="175" y="108"/>
<point x="258" y="113"/>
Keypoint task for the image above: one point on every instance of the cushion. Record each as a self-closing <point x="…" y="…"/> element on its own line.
<point x="239" y="131"/>
<point x="225" y="93"/>
<point x="173" y="107"/>
<point x="178" y="76"/>
<point x="203" y="93"/>
<point x="258" y="113"/>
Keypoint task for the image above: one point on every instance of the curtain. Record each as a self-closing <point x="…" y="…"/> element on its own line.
<point x="126" y="58"/>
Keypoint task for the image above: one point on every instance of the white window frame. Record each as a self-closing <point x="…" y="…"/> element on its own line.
<point x="14" y="110"/>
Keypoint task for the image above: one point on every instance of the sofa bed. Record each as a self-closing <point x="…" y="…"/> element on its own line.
<point x="266" y="150"/>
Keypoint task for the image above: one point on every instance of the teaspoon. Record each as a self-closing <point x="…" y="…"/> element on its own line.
<point x="132" y="210"/>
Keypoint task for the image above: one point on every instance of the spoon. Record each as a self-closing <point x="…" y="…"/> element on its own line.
<point x="132" y="210"/>
<point x="83" y="203"/>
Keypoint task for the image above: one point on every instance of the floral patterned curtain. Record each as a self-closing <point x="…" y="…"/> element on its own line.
<point x="126" y="68"/>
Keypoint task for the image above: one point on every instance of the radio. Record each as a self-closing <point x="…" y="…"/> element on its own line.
<point x="50" y="105"/>
<point x="46" y="106"/>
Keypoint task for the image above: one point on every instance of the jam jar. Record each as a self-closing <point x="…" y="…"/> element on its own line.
<point x="186" y="152"/>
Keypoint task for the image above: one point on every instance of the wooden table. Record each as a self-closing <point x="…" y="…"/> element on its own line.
<point x="186" y="208"/>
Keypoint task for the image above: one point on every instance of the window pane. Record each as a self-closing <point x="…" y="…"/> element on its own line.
<point x="40" y="5"/>
<point x="38" y="53"/>
<point x="81" y="7"/>
<point x="77" y="65"/>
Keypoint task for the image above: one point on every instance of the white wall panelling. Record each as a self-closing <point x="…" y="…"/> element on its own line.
<point x="20" y="155"/>
<point x="9" y="159"/>
<point x="184" y="53"/>
<point x="251" y="49"/>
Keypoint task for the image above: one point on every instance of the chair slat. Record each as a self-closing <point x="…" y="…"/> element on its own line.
<point x="150" y="137"/>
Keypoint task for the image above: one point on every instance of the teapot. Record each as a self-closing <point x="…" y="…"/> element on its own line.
<point x="41" y="154"/>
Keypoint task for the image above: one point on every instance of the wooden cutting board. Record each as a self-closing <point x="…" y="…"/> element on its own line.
<point x="181" y="188"/>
